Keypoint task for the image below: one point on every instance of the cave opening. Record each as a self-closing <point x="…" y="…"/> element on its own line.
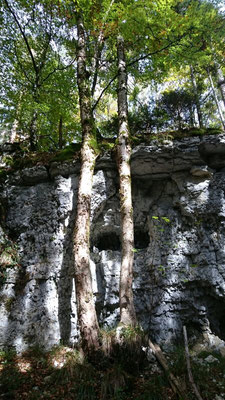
<point x="217" y="319"/>
<point x="107" y="241"/>
<point x="141" y="238"/>
<point x="111" y="241"/>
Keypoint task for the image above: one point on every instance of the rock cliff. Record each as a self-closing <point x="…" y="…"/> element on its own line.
<point x="179" y="214"/>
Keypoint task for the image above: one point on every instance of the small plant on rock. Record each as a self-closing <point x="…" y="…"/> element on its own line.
<point x="9" y="258"/>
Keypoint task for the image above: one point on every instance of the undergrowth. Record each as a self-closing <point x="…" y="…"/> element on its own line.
<point x="22" y="158"/>
<point x="65" y="373"/>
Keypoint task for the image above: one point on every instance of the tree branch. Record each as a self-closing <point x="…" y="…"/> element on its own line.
<point x="163" y="362"/>
<point x="24" y="36"/>
<point x="45" y="50"/>
<point x="154" y="52"/>
<point x="98" y="50"/>
<point x="21" y="67"/>
<point x="58" y="69"/>
<point x="132" y="63"/>
<point x="190" y="376"/>
<point x="103" y="91"/>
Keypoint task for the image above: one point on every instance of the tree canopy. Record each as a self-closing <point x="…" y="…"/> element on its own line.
<point x="38" y="93"/>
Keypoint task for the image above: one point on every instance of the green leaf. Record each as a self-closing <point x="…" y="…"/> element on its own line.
<point x="167" y="220"/>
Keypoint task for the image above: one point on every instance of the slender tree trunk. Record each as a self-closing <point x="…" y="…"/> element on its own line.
<point x="14" y="130"/>
<point x="33" y="122"/>
<point x="33" y="132"/>
<point x="87" y="317"/>
<point x="127" y="310"/>
<point x="60" y="142"/>
<point x="221" y="82"/>
<point x="216" y="100"/>
<point x="192" y="119"/>
<point x="179" y="119"/>
<point x="197" y="102"/>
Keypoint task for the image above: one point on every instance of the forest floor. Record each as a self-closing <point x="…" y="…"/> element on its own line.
<point x="63" y="374"/>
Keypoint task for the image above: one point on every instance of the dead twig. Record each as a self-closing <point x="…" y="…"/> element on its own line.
<point x="176" y="386"/>
<point x="190" y="376"/>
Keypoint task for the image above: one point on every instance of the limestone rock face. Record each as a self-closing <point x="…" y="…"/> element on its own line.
<point x="179" y="214"/>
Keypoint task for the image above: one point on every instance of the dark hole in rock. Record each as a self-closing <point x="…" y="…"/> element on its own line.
<point x="194" y="329"/>
<point x="141" y="239"/>
<point x="212" y="315"/>
<point x="217" y="319"/>
<point x="14" y="234"/>
<point x="222" y="327"/>
<point x="107" y="241"/>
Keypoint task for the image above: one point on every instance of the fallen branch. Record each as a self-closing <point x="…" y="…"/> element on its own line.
<point x="190" y="376"/>
<point x="176" y="386"/>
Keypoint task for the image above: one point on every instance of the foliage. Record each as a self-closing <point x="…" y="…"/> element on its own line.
<point x="67" y="153"/>
<point x="172" y="117"/>
<point x="38" y="81"/>
<point x="9" y="257"/>
<point x="179" y="107"/>
<point x="130" y="333"/>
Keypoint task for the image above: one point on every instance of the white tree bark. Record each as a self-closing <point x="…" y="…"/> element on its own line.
<point x="216" y="101"/>
<point x="190" y="376"/>
<point x="87" y="316"/>
<point x="127" y="310"/>
<point x="196" y="94"/>
<point x="221" y="83"/>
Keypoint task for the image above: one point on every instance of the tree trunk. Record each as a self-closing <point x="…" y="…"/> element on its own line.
<point x="87" y="317"/>
<point x="60" y="142"/>
<point x="14" y="131"/>
<point x="191" y="119"/>
<point x="216" y="100"/>
<point x="15" y="127"/>
<point x="221" y="82"/>
<point x="33" y="132"/>
<point x="127" y="310"/>
<point x="196" y="94"/>
<point x="179" y="119"/>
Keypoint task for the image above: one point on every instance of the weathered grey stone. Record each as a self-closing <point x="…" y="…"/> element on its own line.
<point x="201" y="171"/>
<point x="65" y="168"/>
<point x="213" y="151"/>
<point x="179" y="274"/>
<point x="34" y="174"/>
<point x="210" y="359"/>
